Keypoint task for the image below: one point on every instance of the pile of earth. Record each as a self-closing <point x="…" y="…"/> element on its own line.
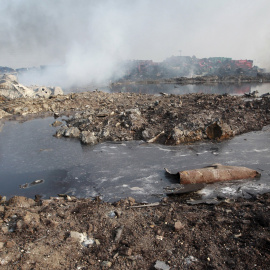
<point x="70" y="233"/>
<point x="10" y="88"/>
<point x="168" y="119"/>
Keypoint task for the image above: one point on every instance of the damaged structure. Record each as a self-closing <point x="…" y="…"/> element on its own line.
<point x="187" y="66"/>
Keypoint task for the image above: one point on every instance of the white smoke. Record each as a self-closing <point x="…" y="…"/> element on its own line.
<point x="88" y="39"/>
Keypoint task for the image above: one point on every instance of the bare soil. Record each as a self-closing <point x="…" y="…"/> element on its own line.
<point x="47" y="234"/>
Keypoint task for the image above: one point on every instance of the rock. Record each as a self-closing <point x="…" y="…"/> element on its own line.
<point x="61" y="131"/>
<point x="82" y="238"/>
<point x="31" y="219"/>
<point x="9" y="77"/>
<point x="3" y="114"/>
<point x="125" y="251"/>
<point x="180" y="135"/>
<point x="76" y="235"/>
<point x="178" y="226"/>
<point x="1" y="245"/>
<point x="133" y="111"/>
<point x="10" y="244"/>
<point x="89" y="137"/>
<point x="19" y="201"/>
<point x="2" y="208"/>
<point x="106" y="264"/>
<point x="190" y="259"/>
<point x="5" y="229"/>
<point x="57" y="91"/>
<point x="56" y="123"/>
<point x="145" y="135"/>
<point x="72" y="132"/>
<point x="131" y="200"/>
<point x="43" y="91"/>
<point x="159" y="265"/>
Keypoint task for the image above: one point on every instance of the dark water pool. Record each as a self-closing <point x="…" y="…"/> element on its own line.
<point x="29" y="152"/>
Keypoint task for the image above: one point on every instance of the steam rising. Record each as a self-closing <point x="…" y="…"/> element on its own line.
<point x="86" y="40"/>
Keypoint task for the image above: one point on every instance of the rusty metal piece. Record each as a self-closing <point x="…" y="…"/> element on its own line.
<point x="215" y="173"/>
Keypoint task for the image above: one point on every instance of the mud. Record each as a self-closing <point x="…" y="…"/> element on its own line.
<point x="70" y="233"/>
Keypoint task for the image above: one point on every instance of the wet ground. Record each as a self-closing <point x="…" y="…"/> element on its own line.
<point x="29" y="152"/>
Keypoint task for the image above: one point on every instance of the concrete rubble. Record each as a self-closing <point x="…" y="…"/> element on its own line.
<point x="11" y="88"/>
<point x="96" y="117"/>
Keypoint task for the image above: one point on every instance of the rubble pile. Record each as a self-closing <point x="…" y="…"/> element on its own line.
<point x="168" y="119"/>
<point x="10" y="88"/>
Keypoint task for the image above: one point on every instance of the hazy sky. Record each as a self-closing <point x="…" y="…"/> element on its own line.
<point x="94" y="35"/>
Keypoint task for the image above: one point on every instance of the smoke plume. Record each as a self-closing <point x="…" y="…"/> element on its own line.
<point x="86" y="40"/>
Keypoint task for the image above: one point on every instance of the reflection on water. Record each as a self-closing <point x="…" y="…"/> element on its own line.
<point x="233" y="89"/>
<point x="28" y="152"/>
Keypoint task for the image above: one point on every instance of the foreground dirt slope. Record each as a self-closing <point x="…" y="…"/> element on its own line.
<point x="167" y="119"/>
<point x="70" y="233"/>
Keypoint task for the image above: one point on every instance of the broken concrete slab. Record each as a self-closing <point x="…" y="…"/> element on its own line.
<point x="215" y="173"/>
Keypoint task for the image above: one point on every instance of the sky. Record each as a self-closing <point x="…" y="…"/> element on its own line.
<point x="91" y="37"/>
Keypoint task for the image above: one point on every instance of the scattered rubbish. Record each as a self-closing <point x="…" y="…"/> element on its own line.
<point x="34" y="183"/>
<point x="119" y="232"/>
<point x="205" y="201"/>
<point x="146" y="205"/>
<point x="159" y="265"/>
<point x="215" y="173"/>
<point x="112" y="214"/>
<point x="156" y="137"/>
<point x="82" y="238"/>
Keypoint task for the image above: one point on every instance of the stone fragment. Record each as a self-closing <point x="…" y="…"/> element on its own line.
<point x="57" y="91"/>
<point x="3" y="114"/>
<point x="76" y="235"/>
<point x="10" y="244"/>
<point x="61" y="131"/>
<point x="56" y="123"/>
<point x="20" y="201"/>
<point x="72" y="132"/>
<point x="31" y="219"/>
<point x="178" y="226"/>
<point x="190" y="259"/>
<point x="106" y="264"/>
<point x="126" y="251"/>
<point x="160" y="265"/>
<point x="88" y="137"/>
<point x="44" y="92"/>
